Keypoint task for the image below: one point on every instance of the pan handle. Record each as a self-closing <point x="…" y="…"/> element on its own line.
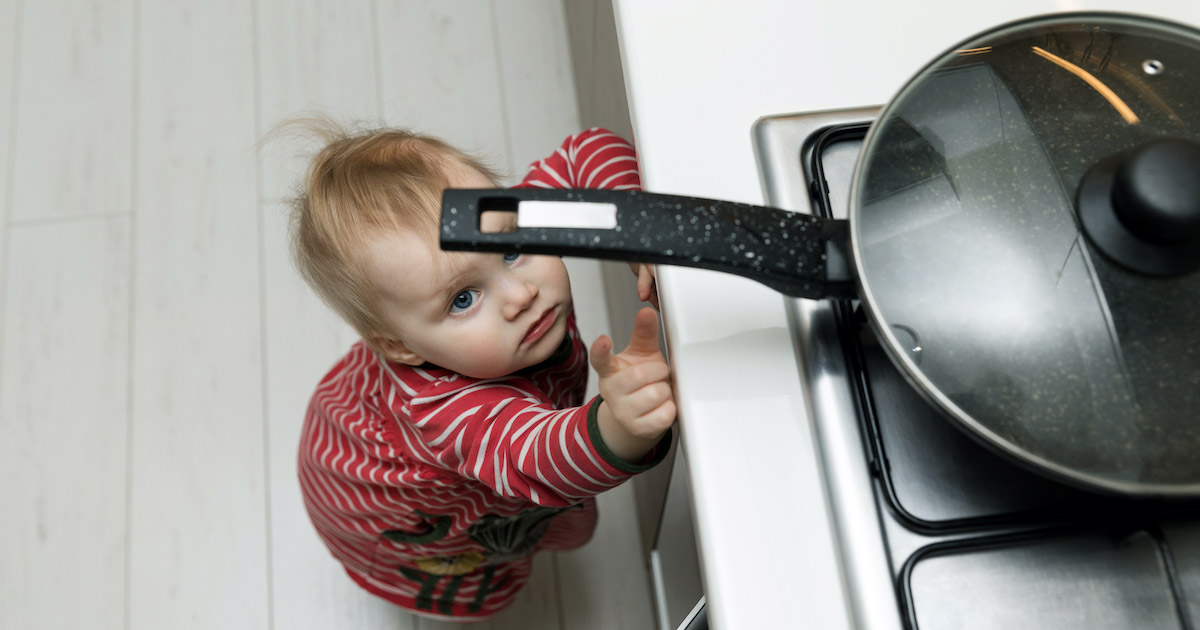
<point x="787" y="251"/>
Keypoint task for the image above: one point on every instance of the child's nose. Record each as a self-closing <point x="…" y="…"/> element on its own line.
<point x="521" y="298"/>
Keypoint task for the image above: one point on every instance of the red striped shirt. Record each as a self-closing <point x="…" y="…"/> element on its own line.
<point x="434" y="489"/>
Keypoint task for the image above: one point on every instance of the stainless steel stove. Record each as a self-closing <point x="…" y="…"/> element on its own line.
<point x="934" y="530"/>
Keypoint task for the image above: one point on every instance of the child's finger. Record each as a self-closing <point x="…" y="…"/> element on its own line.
<point x="660" y="418"/>
<point x="654" y="422"/>
<point x="601" y="355"/>
<point x="631" y="378"/>
<point x="645" y="282"/>
<point x="645" y="333"/>
<point x="648" y="398"/>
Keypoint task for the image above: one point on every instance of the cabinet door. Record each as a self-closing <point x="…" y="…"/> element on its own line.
<point x="674" y="561"/>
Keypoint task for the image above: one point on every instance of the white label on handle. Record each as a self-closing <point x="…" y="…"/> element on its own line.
<point x="567" y="214"/>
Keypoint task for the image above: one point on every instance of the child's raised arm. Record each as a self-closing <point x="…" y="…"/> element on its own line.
<point x="596" y="158"/>
<point x="502" y="433"/>
<point x="639" y="403"/>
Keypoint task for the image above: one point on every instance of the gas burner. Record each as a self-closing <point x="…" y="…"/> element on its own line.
<point x="935" y="530"/>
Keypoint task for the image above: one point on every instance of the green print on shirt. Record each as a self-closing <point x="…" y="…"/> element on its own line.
<point x="446" y="601"/>
<point x="505" y="538"/>
<point x="437" y="531"/>
<point x="510" y="537"/>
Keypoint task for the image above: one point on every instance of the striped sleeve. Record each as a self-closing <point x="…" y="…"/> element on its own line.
<point x="499" y="433"/>
<point x="596" y="158"/>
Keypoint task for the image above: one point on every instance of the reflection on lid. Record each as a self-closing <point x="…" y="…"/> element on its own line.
<point x="974" y="51"/>
<point x="1091" y="80"/>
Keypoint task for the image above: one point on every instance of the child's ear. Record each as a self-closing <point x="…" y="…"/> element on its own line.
<point x="395" y="350"/>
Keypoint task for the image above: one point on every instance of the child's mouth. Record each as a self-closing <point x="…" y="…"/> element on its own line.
<point x="540" y="327"/>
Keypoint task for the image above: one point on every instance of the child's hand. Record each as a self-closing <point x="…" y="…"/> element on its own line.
<point x="646" y="287"/>
<point x="639" y="403"/>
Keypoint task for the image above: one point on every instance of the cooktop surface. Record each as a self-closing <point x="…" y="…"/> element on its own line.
<point x="960" y="535"/>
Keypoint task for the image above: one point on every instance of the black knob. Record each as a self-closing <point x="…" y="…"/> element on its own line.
<point x="1156" y="191"/>
<point x="1141" y="207"/>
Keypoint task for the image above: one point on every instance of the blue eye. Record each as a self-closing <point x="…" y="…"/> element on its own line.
<point x="511" y="258"/>
<point x="464" y="301"/>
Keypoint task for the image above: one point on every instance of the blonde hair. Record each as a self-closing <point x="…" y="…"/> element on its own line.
<point x="359" y="183"/>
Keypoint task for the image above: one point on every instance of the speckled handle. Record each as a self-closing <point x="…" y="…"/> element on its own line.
<point x="784" y="250"/>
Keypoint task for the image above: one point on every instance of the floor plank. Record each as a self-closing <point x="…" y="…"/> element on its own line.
<point x="610" y="104"/>
<point x="63" y="413"/>
<point x="10" y="42"/>
<point x="581" y="32"/>
<point x="74" y="103"/>
<point x="440" y="75"/>
<point x="316" y="57"/>
<point x="604" y="584"/>
<point x="536" y="74"/>
<point x="198" y="519"/>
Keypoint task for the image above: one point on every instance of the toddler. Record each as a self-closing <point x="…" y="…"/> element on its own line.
<point x="452" y="441"/>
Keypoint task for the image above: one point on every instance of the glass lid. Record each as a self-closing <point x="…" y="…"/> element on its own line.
<point x="1026" y="229"/>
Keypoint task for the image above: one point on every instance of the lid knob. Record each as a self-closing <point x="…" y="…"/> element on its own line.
<point x="1156" y="191"/>
<point x="1141" y="207"/>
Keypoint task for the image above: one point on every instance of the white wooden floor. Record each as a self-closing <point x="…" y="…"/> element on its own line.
<point x="157" y="347"/>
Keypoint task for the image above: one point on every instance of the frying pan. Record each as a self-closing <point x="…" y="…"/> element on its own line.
<point x="1028" y="205"/>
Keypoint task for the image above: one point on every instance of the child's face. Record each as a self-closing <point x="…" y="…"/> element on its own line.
<point x="481" y="315"/>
